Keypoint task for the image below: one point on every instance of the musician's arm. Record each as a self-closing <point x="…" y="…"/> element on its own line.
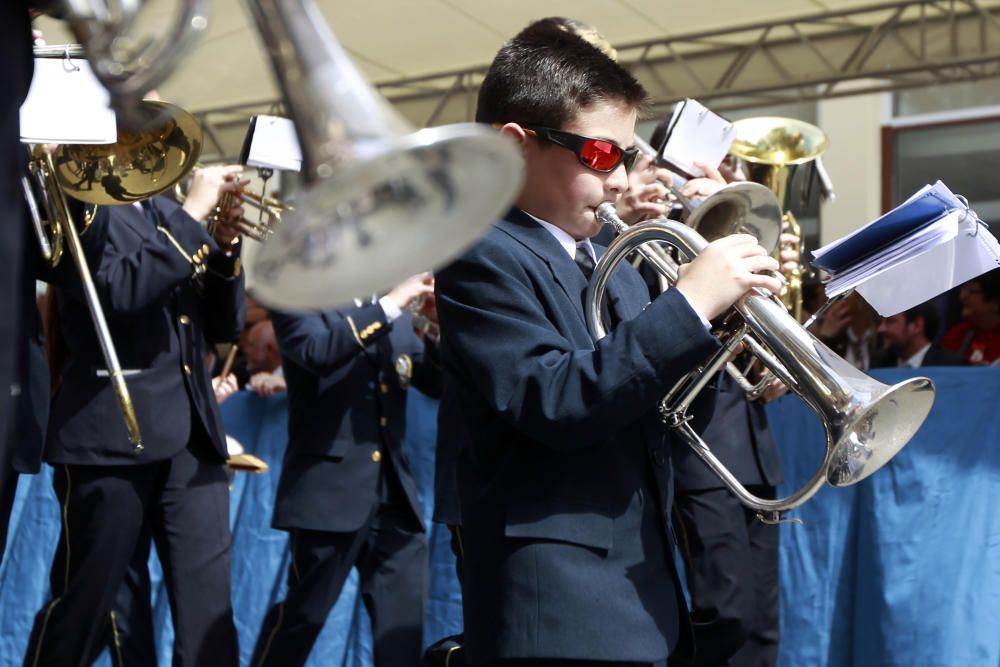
<point x="323" y="344"/>
<point x="131" y="278"/>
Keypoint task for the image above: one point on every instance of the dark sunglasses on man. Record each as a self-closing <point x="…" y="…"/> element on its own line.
<point x="594" y="153"/>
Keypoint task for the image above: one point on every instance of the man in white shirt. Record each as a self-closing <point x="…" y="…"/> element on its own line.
<point x="906" y="339"/>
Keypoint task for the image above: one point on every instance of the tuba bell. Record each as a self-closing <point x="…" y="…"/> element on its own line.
<point x="774" y="150"/>
<point x="866" y="422"/>
<point x="381" y="202"/>
<point x="142" y="163"/>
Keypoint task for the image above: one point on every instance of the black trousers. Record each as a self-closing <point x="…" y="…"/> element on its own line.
<point x="731" y="561"/>
<point x="183" y="502"/>
<point x="390" y="552"/>
<point x="131" y="640"/>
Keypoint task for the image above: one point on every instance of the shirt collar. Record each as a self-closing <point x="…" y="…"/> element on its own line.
<point x="568" y="243"/>
<point x="917" y="360"/>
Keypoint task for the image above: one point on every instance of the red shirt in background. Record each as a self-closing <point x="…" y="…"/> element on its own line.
<point x="983" y="348"/>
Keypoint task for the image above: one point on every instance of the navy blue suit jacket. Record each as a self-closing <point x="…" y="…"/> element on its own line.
<point x="564" y="467"/>
<point x="15" y="79"/>
<point x="347" y="372"/>
<point x="161" y="316"/>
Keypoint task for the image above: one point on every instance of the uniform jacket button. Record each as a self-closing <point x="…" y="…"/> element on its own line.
<point x="383" y="421"/>
<point x="384" y="388"/>
<point x="185" y="319"/>
<point x="376" y="456"/>
<point x="187" y="369"/>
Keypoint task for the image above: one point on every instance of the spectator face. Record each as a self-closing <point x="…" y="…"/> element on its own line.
<point x="895" y="332"/>
<point x="975" y="307"/>
<point x="259" y="344"/>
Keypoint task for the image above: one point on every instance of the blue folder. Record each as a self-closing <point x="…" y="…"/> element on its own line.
<point x="895" y="225"/>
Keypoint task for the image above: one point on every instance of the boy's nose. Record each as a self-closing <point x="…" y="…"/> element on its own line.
<point x="617" y="181"/>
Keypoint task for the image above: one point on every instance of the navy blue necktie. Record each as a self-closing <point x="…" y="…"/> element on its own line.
<point x="584" y="261"/>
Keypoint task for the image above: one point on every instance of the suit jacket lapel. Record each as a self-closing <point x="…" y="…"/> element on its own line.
<point x="615" y="299"/>
<point x="542" y="244"/>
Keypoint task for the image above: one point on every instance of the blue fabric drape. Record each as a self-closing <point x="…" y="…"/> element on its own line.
<point x="902" y="569"/>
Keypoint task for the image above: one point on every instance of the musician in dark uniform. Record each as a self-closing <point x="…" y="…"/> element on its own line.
<point x="564" y="470"/>
<point x="23" y="402"/>
<point x="346" y="495"/>
<point x="168" y="288"/>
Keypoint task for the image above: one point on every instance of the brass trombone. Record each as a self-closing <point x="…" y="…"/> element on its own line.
<point x="143" y="163"/>
<point x="59" y="219"/>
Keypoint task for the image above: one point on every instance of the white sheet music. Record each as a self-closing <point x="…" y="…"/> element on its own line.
<point x="274" y="144"/>
<point x="935" y="243"/>
<point x="67" y="105"/>
<point x="696" y="134"/>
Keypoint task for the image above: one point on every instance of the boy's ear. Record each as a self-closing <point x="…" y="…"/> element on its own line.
<point x="514" y="131"/>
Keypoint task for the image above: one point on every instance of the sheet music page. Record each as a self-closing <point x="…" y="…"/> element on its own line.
<point x="67" y="105"/>
<point x="696" y="134"/>
<point x="970" y="252"/>
<point x="925" y="206"/>
<point x="275" y="144"/>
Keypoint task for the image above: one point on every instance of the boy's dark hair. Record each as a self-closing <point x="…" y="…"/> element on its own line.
<point x="932" y="318"/>
<point x="546" y="74"/>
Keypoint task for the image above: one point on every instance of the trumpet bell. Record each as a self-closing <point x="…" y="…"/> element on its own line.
<point x="142" y="163"/>
<point x="878" y="427"/>
<point x="743" y="207"/>
<point x="388" y="217"/>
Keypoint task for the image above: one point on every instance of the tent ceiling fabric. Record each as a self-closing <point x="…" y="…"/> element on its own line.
<point x="227" y="76"/>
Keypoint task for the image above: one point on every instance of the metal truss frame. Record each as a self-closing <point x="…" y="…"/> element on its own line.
<point x="879" y="47"/>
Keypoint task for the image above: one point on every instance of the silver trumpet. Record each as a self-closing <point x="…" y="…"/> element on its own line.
<point x="381" y="202"/>
<point x="866" y="422"/>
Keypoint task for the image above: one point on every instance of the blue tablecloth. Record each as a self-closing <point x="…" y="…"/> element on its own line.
<point x="902" y="569"/>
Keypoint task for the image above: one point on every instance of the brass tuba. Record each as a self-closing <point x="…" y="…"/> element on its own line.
<point x="381" y="202"/>
<point x="866" y="422"/>
<point x="142" y="163"/>
<point x="773" y="149"/>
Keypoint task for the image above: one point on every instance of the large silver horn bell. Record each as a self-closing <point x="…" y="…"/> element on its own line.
<point x="382" y="202"/>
